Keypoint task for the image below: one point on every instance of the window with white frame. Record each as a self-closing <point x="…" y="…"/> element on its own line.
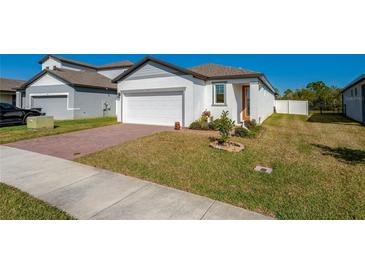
<point x="219" y="93"/>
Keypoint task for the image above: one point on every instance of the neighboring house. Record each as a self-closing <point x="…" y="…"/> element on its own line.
<point x="353" y="99"/>
<point x="68" y="89"/>
<point x="8" y="88"/>
<point x="158" y="93"/>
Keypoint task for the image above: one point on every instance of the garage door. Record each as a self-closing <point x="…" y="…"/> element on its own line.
<point x="55" y="106"/>
<point x="157" y="108"/>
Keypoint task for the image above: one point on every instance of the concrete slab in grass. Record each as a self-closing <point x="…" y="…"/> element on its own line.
<point x="89" y="196"/>
<point x="222" y="211"/>
<point x="155" y="202"/>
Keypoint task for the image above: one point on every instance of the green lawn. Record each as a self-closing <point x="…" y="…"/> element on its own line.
<point x="17" y="205"/>
<point x="15" y="133"/>
<point x="319" y="167"/>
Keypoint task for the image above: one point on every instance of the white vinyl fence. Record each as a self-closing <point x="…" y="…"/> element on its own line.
<point x="291" y="107"/>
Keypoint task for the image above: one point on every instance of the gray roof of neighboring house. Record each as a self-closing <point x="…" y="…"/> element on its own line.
<point x="10" y="85"/>
<point x="77" y="78"/>
<point x="119" y="64"/>
<point x="354" y="82"/>
<point x="214" y="71"/>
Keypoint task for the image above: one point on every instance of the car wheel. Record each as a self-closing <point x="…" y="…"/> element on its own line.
<point x="25" y="119"/>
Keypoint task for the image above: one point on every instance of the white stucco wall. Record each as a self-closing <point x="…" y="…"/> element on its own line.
<point x="262" y="102"/>
<point x="112" y="73"/>
<point x="233" y="97"/>
<point x="354" y="103"/>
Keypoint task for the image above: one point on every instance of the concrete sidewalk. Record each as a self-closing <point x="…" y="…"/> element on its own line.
<point x="90" y="193"/>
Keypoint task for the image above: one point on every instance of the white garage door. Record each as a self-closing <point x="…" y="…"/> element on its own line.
<point x="157" y="108"/>
<point x="55" y="106"/>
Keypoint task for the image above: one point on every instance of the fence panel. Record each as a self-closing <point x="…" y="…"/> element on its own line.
<point x="291" y="107"/>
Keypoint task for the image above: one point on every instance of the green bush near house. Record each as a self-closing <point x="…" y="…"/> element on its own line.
<point x="224" y="126"/>
<point x="241" y="132"/>
<point x="202" y="123"/>
<point x="213" y="124"/>
<point x="195" y="125"/>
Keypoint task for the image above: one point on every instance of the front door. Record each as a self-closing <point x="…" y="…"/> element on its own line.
<point x="245" y="103"/>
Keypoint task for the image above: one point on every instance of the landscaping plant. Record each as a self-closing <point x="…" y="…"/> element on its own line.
<point x="241" y="132"/>
<point x="202" y="122"/>
<point x="224" y="126"/>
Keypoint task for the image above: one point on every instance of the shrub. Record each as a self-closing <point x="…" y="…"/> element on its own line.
<point x="202" y="122"/>
<point x="241" y="132"/>
<point x="195" y="125"/>
<point x="251" y="124"/>
<point x="224" y="126"/>
<point x="213" y="124"/>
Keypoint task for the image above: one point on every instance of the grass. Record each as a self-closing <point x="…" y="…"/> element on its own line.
<point x="18" y="205"/>
<point x="318" y="167"/>
<point x="16" y="133"/>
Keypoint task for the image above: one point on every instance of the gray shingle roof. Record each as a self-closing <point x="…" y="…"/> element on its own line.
<point x="117" y="65"/>
<point x="10" y="85"/>
<point x="84" y="78"/>
<point x="214" y="70"/>
<point x="76" y="78"/>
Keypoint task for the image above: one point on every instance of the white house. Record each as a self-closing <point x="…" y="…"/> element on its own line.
<point x="68" y="89"/>
<point x="353" y="99"/>
<point x="158" y="93"/>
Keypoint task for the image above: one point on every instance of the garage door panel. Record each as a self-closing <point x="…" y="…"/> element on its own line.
<point x="160" y="108"/>
<point x="55" y="106"/>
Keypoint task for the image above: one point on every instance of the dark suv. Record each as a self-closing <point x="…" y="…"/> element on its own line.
<point x="13" y="115"/>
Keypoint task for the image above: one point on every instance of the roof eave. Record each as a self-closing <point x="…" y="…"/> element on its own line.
<point x="353" y="83"/>
<point x="40" y="74"/>
<point x="65" y="61"/>
<point x="155" y="60"/>
<point x="242" y="76"/>
<point x="90" y="86"/>
<point x="112" y="67"/>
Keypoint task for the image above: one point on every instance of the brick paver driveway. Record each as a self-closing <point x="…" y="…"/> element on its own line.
<point x="75" y="144"/>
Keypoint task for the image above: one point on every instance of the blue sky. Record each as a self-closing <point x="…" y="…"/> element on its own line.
<point x="284" y="71"/>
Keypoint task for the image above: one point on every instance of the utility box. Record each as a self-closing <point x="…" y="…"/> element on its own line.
<point x="40" y="122"/>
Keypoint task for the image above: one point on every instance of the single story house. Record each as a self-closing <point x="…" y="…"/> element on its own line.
<point x="158" y="93"/>
<point x="353" y="99"/>
<point x="68" y="89"/>
<point x="8" y="88"/>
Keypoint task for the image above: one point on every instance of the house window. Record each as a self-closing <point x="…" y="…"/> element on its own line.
<point x="219" y="94"/>
<point x="355" y="91"/>
<point x="352" y="92"/>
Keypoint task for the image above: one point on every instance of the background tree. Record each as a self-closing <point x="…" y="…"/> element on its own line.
<point x="318" y="95"/>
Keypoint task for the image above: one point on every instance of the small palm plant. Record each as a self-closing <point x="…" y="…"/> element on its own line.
<point x="224" y="126"/>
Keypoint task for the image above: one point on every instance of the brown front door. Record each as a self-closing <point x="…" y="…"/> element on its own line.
<point x="245" y="103"/>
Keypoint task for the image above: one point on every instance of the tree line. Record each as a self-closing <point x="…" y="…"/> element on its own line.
<point x="319" y="96"/>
